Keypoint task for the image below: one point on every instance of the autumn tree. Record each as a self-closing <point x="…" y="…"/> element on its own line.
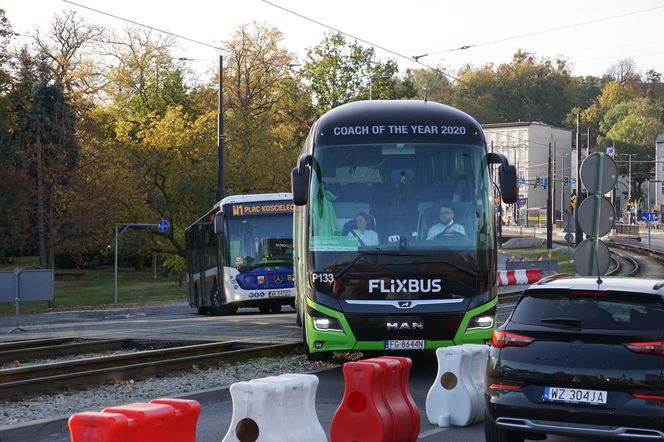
<point x="267" y="111"/>
<point x="9" y="201"/>
<point x="46" y="150"/>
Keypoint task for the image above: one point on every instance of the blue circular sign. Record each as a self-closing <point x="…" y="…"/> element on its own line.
<point x="163" y="225"/>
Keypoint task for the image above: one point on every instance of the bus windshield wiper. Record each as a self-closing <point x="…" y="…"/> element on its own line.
<point x="361" y="255"/>
<point x="568" y="322"/>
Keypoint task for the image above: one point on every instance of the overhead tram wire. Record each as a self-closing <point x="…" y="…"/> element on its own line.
<point x="192" y="40"/>
<point x="530" y="34"/>
<point x="413" y="59"/>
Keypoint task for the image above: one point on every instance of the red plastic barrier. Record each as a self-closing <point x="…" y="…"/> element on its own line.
<point x="92" y="426"/>
<point x="406" y="364"/>
<point x="186" y="417"/>
<point x="394" y="398"/>
<point x="153" y="422"/>
<point x="363" y="415"/>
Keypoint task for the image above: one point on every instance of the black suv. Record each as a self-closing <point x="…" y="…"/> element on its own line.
<point x="579" y="357"/>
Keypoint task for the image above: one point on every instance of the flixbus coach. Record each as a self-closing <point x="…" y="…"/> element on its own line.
<point x="395" y="245"/>
<point x="240" y="254"/>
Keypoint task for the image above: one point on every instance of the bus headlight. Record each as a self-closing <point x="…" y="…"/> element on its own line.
<point x="323" y="322"/>
<point x="483" y="321"/>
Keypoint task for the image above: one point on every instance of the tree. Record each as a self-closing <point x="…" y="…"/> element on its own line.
<point x="9" y="201"/>
<point x="624" y="71"/>
<point x="267" y="112"/>
<point x="339" y="72"/>
<point x="432" y="83"/>
<point x="46" y="150"/>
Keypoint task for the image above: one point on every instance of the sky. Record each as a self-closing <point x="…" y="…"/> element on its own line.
<point x="589" y="39"/>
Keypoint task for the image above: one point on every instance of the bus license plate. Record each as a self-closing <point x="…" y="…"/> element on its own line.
<point x="406" y="344"/>
<point x="575" y="395"/>
<point x="279" y="294"/>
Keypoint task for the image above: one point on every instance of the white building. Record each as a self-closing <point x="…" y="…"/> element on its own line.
<point x="526" y="145"/>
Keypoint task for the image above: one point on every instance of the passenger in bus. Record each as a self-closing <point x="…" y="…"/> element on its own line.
<point x="446" y="226"/>
<point x="363" y="230"/>
<point x="461" y="190"/>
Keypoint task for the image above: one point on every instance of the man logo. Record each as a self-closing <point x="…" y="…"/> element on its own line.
<point x="405" y="325"/>
<point x="405" y="304"/>
<point x="278" y="279"/>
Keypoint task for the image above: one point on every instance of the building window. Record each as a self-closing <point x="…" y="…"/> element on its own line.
<point x="661" y="190"/>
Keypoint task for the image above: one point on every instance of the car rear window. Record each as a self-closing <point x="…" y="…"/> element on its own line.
<point x="618" y="311"/>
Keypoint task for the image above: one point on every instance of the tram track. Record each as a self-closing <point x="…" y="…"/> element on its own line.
<point x="21" y="382"/>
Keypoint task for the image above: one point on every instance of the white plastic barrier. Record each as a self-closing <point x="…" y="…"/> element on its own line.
<point x="275" y="409"/>
<point x="456" y="396"/>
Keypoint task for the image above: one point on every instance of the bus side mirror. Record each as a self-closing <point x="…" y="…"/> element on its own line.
<point x="507" y="177"/>
<point x="300" y="180"/>
<point x="508" y="186"/>
<point x="219" y="223"/>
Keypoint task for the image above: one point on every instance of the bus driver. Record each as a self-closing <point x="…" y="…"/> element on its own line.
<point x="446" y="226"/>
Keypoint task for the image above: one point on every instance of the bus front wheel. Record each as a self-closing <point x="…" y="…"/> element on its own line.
<point x="219" y="309"/>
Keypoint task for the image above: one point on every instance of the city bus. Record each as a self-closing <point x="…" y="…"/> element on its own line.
<point x="378" y="265"/>
<point x="240" y="254"/>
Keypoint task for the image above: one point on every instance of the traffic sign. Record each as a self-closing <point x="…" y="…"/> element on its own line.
<point x="596" y="215"/>
<point x="522" y="180"/>
<point x="572" y="180"/>
<point x="569" y="237"/>
<point x="587" y="262"/>
<point x="611" y="151"/>
<point x="163" y="226"/>
<point x="599" y="173"/>
<point x="649" y="216"/>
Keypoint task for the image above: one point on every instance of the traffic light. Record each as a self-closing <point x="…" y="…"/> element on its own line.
<point x="566" y="181"/>
<point x="538" y="181"/>
<point x="630" y="207"/>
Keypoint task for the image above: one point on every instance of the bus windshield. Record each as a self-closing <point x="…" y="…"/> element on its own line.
<point x="260" y="240"/>
<point x="417" y="198"/>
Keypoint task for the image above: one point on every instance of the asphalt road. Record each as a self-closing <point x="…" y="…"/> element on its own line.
<point x="178" y="321"/>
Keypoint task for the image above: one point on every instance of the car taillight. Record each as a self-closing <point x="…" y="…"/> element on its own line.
<point x="502" y="338"/>
<point x="651" y="347"/>
<point x="649" y="397"/>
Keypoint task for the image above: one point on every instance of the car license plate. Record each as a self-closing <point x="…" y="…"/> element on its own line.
<point x="575" y="395"/>
<point x="406" y="344"/>
<point x="280" y="293"/>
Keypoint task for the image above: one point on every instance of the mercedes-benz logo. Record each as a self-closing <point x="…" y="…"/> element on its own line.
<point x="278" y="279"/>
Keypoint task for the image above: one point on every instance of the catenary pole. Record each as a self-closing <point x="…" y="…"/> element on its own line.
<point x="220" y="133"/>
<point x="579" y="195"/>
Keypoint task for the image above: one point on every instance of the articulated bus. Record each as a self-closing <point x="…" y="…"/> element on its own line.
<point x="246" y="242"/>
<point x="394" y="229"/>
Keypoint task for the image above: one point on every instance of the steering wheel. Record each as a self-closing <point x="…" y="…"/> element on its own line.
<point x="453" y="233"/>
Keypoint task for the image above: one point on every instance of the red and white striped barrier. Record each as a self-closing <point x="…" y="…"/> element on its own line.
<point x="515" y="277"/>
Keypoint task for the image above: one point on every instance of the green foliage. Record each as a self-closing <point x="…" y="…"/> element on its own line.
<point x="339" y="72"/>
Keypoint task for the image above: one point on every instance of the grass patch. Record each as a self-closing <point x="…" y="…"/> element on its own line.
<point x="564" y="255"/>
<point x="96" y="288"/>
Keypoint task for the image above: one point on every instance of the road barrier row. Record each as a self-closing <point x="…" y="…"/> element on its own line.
<point x="377" y="406"/>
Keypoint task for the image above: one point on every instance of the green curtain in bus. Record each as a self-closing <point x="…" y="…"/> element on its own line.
<point x="324" y="216"/>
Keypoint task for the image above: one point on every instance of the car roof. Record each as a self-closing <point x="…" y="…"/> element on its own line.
<point x="614" y="284"/>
